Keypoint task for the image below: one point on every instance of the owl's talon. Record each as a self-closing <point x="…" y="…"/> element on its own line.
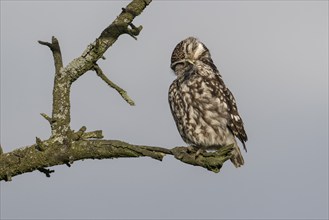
<point x="190" y="149"/>
<point x="199" y="152"/>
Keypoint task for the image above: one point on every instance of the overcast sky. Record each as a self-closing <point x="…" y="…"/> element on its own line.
<point x="273" y="55"/>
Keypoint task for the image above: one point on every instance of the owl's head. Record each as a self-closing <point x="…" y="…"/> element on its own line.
<point x="187" y="53"/>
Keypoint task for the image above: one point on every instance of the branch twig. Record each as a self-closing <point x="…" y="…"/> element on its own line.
<point x="49" y="119"/>
<point x="55" y="48"/>
<point x="122" y="92"/>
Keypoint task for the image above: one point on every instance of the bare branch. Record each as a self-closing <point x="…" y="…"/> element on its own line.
<point x="49" y="119"/>
<point x="93" y="135"/>
<point x="67" y="75"/>
<point x="122" y="92"/>
<point x="55" y="48"/>
<point x="60" y="119"/>
<point x="39" y="144"/>
<point x="78" y="135"/>
<point x="29" y="158"/>
<point x="95" y="51"/>
<point x="211" y="161"/>
<point x="46" y="44"/>
<point x="66" y="146"/>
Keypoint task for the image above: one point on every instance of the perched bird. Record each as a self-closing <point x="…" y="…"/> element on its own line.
<point x="203" y="108"/>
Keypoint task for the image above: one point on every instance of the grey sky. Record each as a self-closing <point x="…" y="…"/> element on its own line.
<point x="273" y="55"/>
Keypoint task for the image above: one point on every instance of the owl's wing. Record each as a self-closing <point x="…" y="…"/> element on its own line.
<point x="175" y="104"/>
<point x="171" y="94"/>
<point x="235" y="123"/>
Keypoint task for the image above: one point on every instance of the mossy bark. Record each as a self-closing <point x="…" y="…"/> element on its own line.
<point x="66" y="146"/>
<point x="52" y="153"/>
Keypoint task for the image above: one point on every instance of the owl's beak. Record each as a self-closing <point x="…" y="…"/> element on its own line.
<point x="190" y="61"/>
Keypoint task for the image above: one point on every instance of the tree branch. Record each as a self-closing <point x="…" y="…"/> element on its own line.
<point x="122" y="92"/>
<point x="121" y="25"/>
<point x="55" y="48"/>
<point x="60" y="120"/>
<point x="66" y="146"/>
<point x="65" y="76"/>
<point x="30" y="158"/>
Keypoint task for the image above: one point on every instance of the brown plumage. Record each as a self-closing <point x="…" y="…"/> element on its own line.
<point x="204" y="109"/>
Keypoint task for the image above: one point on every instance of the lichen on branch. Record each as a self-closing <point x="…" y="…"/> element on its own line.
<point x="31" y="158"/>
<point x="65" y="145"/>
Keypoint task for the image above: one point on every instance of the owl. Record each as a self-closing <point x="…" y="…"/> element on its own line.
<point x="203" y="108"/>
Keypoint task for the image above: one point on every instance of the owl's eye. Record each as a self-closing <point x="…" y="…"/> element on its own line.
<point x="181" y="65"/>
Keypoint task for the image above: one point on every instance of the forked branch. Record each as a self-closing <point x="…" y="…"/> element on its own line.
<point x="65" y="145"/>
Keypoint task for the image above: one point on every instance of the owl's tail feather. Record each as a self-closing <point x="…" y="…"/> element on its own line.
<point x="237" y="158"/>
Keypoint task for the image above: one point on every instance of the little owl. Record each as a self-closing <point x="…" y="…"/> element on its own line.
<point x="204" y="109"/>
